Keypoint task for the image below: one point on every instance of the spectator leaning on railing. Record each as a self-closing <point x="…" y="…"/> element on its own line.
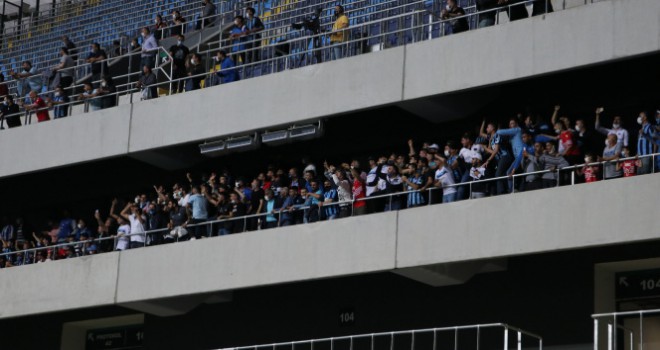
<point x="28" y="79"/>
<point x="147" y="83"/>
<point x="451" y="12"/>
<point x="97" y="57"/>
<point x="9" y="111"/>
<point x="273" y="199"/>
<point x="39" y="106"/>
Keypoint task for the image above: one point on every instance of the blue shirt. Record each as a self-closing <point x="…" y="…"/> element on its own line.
<point x="270" y="206"/>
<point x="497" y="140"/>
<point x="60" y="111"/>
<point x="644" y="142"/>
<point x="515" y="138"/>
<point x="239" y="44"/>
<point x="66" y="228"/>
<point x="415" y="198"/>
<point x="7" y="233"/>
<point x="198" y="203"/>
<point x="228" y="73"/>
<point x="314" y="200"/>
<point x="458" y="172"/>
<point x="331" y="210"/>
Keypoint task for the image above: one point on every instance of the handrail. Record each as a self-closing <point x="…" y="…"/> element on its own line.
<point x="505" y="326"/>
<point x="626" y="313"/>
<point x="131" y="26"/>
<point x="187" y="8"/>
<point x="304" y="39"/>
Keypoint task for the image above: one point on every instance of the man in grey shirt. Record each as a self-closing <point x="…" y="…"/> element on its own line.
<point x="611" y="152"/>
<point x="207" y="15"/>
<point x="64" y="68"/>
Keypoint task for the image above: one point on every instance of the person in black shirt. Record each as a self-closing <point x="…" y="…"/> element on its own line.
<point x="179" y="53"/>
<point x="451" y="12"/>
<point x="515" y="12"/>
<point x="195" y="72"/>
<point x="97" y="58"/>
<point x="487" y="18"/>
<point x="236" y="209"/>
<point x="254" y="26"/>
<point x="179" y="23"/>
<point x="108" y="88"/>
<point x="541" y="7"/>
<point x="9" y="111"/>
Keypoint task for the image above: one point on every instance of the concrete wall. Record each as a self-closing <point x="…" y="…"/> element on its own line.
<point x="575" y="37"/>
<point x="587" y="215"/>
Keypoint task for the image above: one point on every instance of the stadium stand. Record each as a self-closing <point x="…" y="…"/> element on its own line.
<point x="371" y="243"/>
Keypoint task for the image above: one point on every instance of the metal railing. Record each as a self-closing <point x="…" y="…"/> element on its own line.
<point x="412" y="27"/>
<point x="305" y="213"/>
<point x="607" y="327"/>
<point x="429" y="338"/>
<point x="128" y="28"/>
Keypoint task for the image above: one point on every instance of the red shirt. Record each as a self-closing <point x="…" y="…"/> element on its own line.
<point x="42" y="115"/>
<point x="358" y="192"/>
<point x="590" y="174"/>
<point x="566" y="139"/>
<point x="629" y="168"/>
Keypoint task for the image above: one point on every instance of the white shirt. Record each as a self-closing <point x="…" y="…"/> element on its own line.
<point x="370" y="178"/>
<point x="621" y="134"/>
<point x="467" y="154"/>
<point x="122" y="241"/>
<point x="136" y="227"/>
<point x="446" y="179"/>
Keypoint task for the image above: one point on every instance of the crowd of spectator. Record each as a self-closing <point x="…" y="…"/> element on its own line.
<point x="222" y="203"/>
<point x="51" y="90"/>
<point x="54" y="88"/>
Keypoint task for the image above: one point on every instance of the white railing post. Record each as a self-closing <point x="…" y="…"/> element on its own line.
<point x="595" y="334"/>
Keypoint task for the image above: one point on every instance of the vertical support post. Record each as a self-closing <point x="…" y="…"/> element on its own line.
<point x="609" y="336"/>
<point x="519" y="347"/>
<point x="573" y="177"/>
<point x="595" y="334"/>
<point x="412" y="341"/>
<point x="614" y="344"/>
<point x="506" y="339"/>
<point x="641" y="332"/>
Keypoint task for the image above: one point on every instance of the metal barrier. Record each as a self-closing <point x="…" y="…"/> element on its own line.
<point x="480" y="336"/>
<point x="607" y="327"/>
<point x="305" y="50"/>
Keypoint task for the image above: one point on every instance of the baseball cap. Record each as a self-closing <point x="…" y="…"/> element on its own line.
<point x="434" y="146"/>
